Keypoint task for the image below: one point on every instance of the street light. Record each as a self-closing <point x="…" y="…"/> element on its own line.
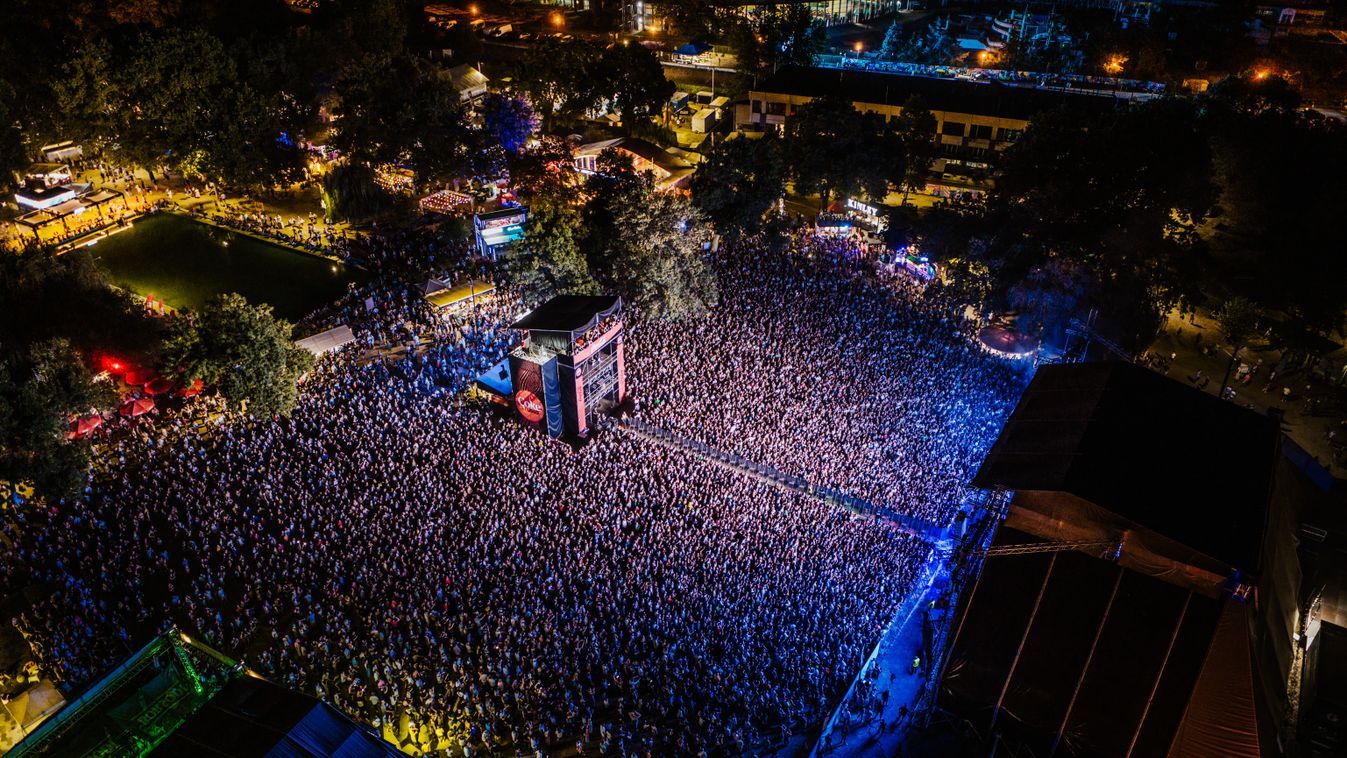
<point x="858" y="47"/>
<point x="558" y="20"/>
<point x="472" y="9"/>
<point x="1114" y="65"/>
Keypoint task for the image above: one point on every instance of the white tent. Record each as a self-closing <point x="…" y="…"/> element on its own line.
<point x="470" y="83"/>
<point x="327" y="341"/>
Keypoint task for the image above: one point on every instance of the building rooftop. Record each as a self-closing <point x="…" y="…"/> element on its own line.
<point x="949" y="95"/>
<point x="1173" y="459"/>
<point x="569" y="313"/>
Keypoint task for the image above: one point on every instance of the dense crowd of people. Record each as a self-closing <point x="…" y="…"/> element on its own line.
<point x="842" y="379"/>
<point x="405" y="552"/>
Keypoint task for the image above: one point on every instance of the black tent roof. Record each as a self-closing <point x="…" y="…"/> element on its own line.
<point x="253" y="717"/>
<point x="569" y="313"/>
<point x="1167" y="456"/>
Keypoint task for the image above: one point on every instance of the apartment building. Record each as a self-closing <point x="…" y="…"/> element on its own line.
<point x="975" y="121"/>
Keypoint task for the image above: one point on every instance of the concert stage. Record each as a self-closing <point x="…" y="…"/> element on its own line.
<point x="571" y="366"/>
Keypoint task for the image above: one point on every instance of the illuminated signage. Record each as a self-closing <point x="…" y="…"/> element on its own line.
<point x="857" y="205"/>
<point x="529" y="406"/>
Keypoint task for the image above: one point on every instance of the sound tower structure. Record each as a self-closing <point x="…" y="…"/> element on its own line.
<point x="571" y="364"/>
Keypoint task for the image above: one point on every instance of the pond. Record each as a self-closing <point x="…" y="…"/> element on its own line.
<point x="185" y="263"/>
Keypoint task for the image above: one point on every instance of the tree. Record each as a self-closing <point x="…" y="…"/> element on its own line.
<point x="1121" y="193"/>
<point x="40" y="391"/>
<point x="916" y="127"/>
<point x="892" y="46"/>
<point x="542" y="169"/>
<point x="1238" y="319"/>
<point x="1050" y="295"/>
<point x="508" y="120"/>
<point x="1272" y="244"/>
<point x="738" y="184"/>
<point x="441" y="134"/>
<point x="561" y="79"/>
<point x="378" y="108"/>
<point x="86" y="96"/>
<point x="548" y="261"/>
<point x="695" y="19"/>
<point x="349" y="192"/>
<point x="13" y="156"/>
<point x="829" y="144"/>
<point x="635" y="81"/>
<point x="241" y="349"/>
<point x="649" y="246"/>
<point x="68" y="297"/>
<point x="171" y="87"/>
<point x="885" y="161"/>
<point x="781" y="36"/>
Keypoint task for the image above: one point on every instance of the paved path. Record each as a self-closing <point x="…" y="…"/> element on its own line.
<point x="890" y="681"/>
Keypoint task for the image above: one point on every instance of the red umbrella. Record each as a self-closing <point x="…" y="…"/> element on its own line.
<point x="159" y="386"/>
<point x="191" y="391"/>
<point x="83" y="427"/>
<point x="138" y="376"/>
<point x="137" y="407"/>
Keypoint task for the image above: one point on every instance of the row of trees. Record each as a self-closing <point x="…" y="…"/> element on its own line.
<point x="829" y="149"/>
<point x="226" y="90"/>
<point x="1136" y="211"/>
<point x="72" y="323"/>
<point x="624" y="236"/>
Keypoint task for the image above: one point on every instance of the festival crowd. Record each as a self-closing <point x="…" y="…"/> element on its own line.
<point x="406" y="552"/>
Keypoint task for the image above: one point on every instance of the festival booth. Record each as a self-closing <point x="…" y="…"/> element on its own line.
<point x="62" y="205"/>
<point x="497" y="230"/>
<point x="445" y="201"/>
<point x="448" y="298"/>
<point x="834" y="224"/>
<point x="572" y="364"/>
<point x="670" y="171"/>
<point x="327" y="341"/>
<point x="470" y="83"/>
<point x="398" y="180"/>
<point x="866" y="216"/>
<point x="62" y="152"/>
<point x="911" y="260"/>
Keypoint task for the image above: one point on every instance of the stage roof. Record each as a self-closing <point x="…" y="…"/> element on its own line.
<point x="1145" y="447"/>
<point x="253" y="717"/>
<point x="1150" y="641"/>
<point x="569" y="313"/>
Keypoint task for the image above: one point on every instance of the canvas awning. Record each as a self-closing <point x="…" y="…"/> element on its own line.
<point x="324" y="342"/>
<point x="455" y="296"/>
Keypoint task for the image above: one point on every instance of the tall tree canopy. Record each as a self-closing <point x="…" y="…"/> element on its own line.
<point x="739" y="182"/>
<point x="40" y="390"/>
<point x="548" y="261"/>
<point x="648" y="245"/>
<point x="243" y="350"/>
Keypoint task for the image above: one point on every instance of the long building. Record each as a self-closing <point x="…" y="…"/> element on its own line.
<point x="975" y="121"/>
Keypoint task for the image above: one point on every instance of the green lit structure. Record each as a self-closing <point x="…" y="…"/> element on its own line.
<point x="179" y="697"/>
